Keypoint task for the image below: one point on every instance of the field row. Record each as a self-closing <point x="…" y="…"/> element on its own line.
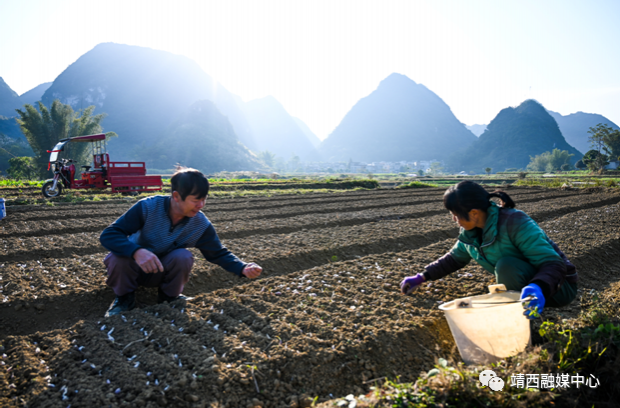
<point x="21" y="241"/>
<point x="117" y="207"/>
<point x="42" y="267"/>
<point x="247" y="222"/>
<point x="343" y="318"/>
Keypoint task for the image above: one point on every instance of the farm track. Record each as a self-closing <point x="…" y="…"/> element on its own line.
<point x="344" y="319"/>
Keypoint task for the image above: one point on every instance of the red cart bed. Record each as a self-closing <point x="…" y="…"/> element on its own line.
<point x="131" y="176"/>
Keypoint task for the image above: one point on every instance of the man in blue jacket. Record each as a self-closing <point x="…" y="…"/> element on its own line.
<point x="148" y="244"/>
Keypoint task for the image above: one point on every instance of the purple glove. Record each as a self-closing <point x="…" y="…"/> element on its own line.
<point x="411" y="283"/>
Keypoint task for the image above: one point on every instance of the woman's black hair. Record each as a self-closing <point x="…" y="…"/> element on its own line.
<point x="465" y="196"/>
<point x="187" y="181"/>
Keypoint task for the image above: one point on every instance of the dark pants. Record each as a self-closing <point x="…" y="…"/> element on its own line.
<point x="515" y="274"/>
<point x="124" y="274"/>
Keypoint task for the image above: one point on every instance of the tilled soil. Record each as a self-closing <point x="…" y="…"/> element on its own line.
<point x="325" y="319"/>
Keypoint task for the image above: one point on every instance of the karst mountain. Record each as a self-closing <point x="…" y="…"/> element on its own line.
<point x="277" y="131"/>
<point x="575" y="127"/>
<point x="201" y="138"/>
<point x="9" y="100"/>
<point x="35" y="94"/>
<point x="142" y="91"/>
<point x="400" y="120"/>
<point x="511" y="138"/>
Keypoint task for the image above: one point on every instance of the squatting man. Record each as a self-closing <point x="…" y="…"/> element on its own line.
<point x="148" y="244"/>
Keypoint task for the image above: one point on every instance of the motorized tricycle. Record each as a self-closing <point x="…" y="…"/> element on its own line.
<point x="121" y="177"/>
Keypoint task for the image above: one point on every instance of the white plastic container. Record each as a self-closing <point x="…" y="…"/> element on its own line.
<point x="489" y="327"/>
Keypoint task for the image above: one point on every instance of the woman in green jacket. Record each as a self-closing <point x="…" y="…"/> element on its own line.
<point x="505" y="242"/>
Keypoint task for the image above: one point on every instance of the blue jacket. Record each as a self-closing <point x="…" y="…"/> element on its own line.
<point x="147" y="225"/>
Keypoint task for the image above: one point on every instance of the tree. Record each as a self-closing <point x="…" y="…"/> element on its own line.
<point x="420" y="172"/>
<point x="22" y="168"/>
<point x="43" y="128"/>
<point x="565" y="167"/>
<point x="580" y="165"/>
<point x="488" y="170"/>
<point x="280" y="164"/>
<point x="10" y="148"/>
<point x="268" y="158"/>
<point x="596" y="138"/>
<point x="549" y="161"/>
<point x="595" y="160"/>
<point x="436" y="169"/>
<point x="294" y="163"/>
<point x="603" y="137"/>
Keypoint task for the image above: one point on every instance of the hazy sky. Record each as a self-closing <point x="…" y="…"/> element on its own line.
<point x="318" y="58"/>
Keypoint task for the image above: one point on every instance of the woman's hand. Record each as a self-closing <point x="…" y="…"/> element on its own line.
<point x="411" y="283"/>
<point x="535" y="306"/>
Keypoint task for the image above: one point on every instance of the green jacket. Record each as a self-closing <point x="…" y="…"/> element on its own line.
<point x="508" y="233"/>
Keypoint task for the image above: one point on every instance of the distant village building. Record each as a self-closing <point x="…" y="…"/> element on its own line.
<point x="424" y="165"/>
<point x="361" y="167"/>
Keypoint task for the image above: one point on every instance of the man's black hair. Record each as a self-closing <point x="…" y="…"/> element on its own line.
<point x="465" y="196"/>
<point x="187" y="181"/>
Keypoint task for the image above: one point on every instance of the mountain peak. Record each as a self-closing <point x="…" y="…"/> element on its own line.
<point x="142" y="91"/>
<point x="512" y="138"/>
<point x="400" y="120"/>
<point x="9" y="100"/>
<point x="396" y="78"/>
<point x="575" y="127"/>
<point x="531" y="106"/>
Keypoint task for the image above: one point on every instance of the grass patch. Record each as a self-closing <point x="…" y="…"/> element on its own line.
<point x="21" y="183"/>
<point x="417" y="184"/>
<point x="571" y="183"/>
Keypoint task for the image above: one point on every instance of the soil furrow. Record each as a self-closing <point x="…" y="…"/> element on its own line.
<point x="209" y="278"/>
<point x="364" y="224"/>
<point x="331" y="209"/>
<point x="345" y="319"/>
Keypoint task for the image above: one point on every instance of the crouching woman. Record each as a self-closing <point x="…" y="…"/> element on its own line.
<point x="506" y="242"/>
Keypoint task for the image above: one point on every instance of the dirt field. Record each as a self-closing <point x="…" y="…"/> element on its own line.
<point x="325" y="318"/>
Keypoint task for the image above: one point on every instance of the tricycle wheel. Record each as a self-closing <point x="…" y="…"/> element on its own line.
<point x="48" y="190"/>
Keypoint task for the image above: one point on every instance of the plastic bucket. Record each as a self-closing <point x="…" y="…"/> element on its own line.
<point x="489" y="327"/>
<point x="2" y="209"/>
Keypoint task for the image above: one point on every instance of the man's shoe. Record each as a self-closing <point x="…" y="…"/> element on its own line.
<point x="162" y="297"/>
<point x="122" y="304"/>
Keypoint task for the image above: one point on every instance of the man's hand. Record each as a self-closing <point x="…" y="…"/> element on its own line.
<point x="148" y="261"/>
<point x="252" y="270"/>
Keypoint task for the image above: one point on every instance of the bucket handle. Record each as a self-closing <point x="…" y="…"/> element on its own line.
<point x="526" y="299"/>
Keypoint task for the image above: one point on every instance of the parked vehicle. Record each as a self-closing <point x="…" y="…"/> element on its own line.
<point x="121" y="177"/>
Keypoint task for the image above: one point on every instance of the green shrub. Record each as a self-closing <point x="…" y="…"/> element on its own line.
<point x="23" y="168"/>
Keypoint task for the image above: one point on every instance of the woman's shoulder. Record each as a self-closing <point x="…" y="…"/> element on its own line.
<point x="511" y="217"/>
